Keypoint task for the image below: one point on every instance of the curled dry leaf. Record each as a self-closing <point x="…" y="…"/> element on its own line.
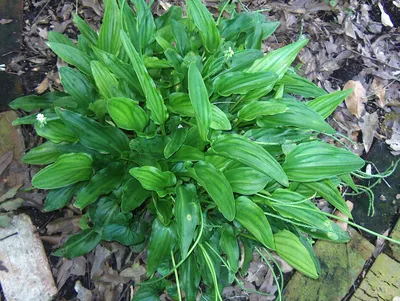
<point x="355" y="101"/>
<point x="368" y="125"/>
<point x="83" y="293"/>
<point x="385" y="18"/>
<point x="378" y="88"/>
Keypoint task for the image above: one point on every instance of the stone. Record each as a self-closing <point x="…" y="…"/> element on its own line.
<point x="25" y="273"/>
<point x="394" y="249"/>
<point x="382" y="282"/>
<point x="340" y="266"/>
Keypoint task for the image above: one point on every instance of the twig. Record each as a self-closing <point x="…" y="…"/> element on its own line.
<point x="371" y="58"/>
<point x="37" y="17"/>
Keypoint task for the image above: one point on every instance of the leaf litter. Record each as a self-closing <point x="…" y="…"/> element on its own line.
<point x="350" y="42"/>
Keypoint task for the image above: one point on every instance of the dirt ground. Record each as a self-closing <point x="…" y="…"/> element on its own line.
<point x="353" y="44"/>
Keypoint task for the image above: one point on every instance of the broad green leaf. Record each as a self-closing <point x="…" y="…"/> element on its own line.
<point x="153" y="62"/>
<point x="67" y="170"/>
<point x="217" y="186"/>
<point x="298" y="115"/>
<point x="56" y="37"/>
<point x="130" y="25"/>
<point x="78" y="86"/>
<point x="246" y="180"/>
<point x="86" y="30"/>
<point x="278" y="61"/>
<point x="79" y="244"/>
<point x="186" y="215"/>
<point x="146" y="293"/>
<point x="153" y="147"/>
<point x="261" y="108"/>
<point x="146" y="25"/>
<point x="314" y="161"/>
<point x="230" y="247"/>
<point x="72" y="56"/>
<point x="32" y="102"/>
<point x="204" y="21"/>
<point x="247" y="152"/>
<point x="109" y="39"/>
<point x="290" y="248"/>
<point x="243" y="59"/>
<point x="105" y="211"/>
<point x="179" y="103"/>
<point x="329" y="192"/>
<point x="240" y="82"/>
<point x="32" y="119"/>
<point x="122" y="232"/>
<point x="187" y="153"/>
<point x="45" y="153"/>
<point x="252" y="218"/>
<point x="127" y="114"/>
<point x="133" y="195"/>
<point x="219" y="120"/>
<point x="162" y="240"/>
<point x="93" y="135"/>
<point x="199" y="98"/>
<point x="180" y="36"/>
<point x="277" y="136"/>
<point x="56" y="132"/>
<point x="103" y="182"/>
<point x="163" y="209"/>
<point x="177" y="139"/>
<point x="190" y="277"/>
<point x="326" y="104"/>
<point x="300" y="86"/>
<point x="106" y="82"/>
<point x="152" y="178"/>
<point x="154" y="100"/>
<point x="254" y="39"/>
<point x="59" y="198"/>
<point x="349" y="181"/>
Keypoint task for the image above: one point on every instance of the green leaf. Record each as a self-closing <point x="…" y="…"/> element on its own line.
<point x="154" y="100"/>
<point x="261" y="108"/>
<point x="217" y="186"/>
<point x="246" y="180"/>
<point x="93" y="135"/>
<point x="79" y="244"/>
<point x="179" y="103"/>
<point x="326" y="104"/>
<point x="32" y="102"/>
<point x="162" y="240"/>
<point x="253" y="220"/>
<point x="278" y="61"/>
<point x="180" y="36"/>
<point x="190" y="277"/>
<point x="187" y="153"/>
<point x="314" y="161"/>
<point x="329" y="192"/>
<point x="230" y="247"/>
<point x="78" y="86"/>
<point x="298" y="115"/>
<point x="103" y="182"/>
<point x="290" y="248"/>
<point x="146" y="25"/>
<point x="106" y="82"/>
<point x="123" y="233"/>
<point x="56" y="132"/>
<point x="127" y="114"/>
<point x="219" y="120"/>
<point x="59" y="198"/>
<point x="300" y="86"/>
<point x="349" y="181"/>
<point x="72" y="56"/>
<point x="177" y="139"/>
<point x="152" y="178"/>
<point x="204" y="21"/>
<point x="146" y="293"/>
<point x="133" y="195"/>
<point x="109" y="39"/>
<point x="240" y="82"/>
<point x="199" y="98"/>
<point x="86" y="30"/>
<point x="245" y="151"/>
<point x="45" y="153"/>
<point x="186" y="215"/>
<point x="56" y="37"/>
<point x="277" y="136"/>
<point x="67" y="170"/>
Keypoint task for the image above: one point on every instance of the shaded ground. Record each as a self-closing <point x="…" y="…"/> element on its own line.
<point x="348" y="42"/>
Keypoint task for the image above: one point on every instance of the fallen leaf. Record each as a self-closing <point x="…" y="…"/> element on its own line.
<point x="394" y="141"/>
<point x="12" y="205"/>
<point x="136" y="271"/>
<point x="341" y="224"/>
<point x="355" y="101"/>
<point x="10" y="193"/>
<point x="378" y="88"/>
<point x="368" y="125"/>
<point x="63" y="225"/>
<point x="5" y="21"/>
<point x="83" y="293"/>
<point x="385" y="18"/>
<point x="5" y="160"/>
<point x="43" y="86"/>
<point x="70" y="267"/>
<point x="101" y="254"/>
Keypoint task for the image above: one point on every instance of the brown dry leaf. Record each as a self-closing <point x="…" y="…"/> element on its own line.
<point x="44" y="85"/>
<point x="63" y="225"/>
<point x="343" y="225"/>
<point x="378" y="88"/>
<point x="135" y="272"/>
<point x="5" y="160"/>
<point x="368" y="125"/>
<point x="70" y="267"/>
<point x="83" y="293"/>
<point x="394" y="141"/>
<point x="355" y="101"/>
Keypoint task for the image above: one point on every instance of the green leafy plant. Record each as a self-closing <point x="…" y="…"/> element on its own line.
<point x="178" y="135"/>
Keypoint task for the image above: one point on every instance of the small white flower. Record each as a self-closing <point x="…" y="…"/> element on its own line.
<point x="42" y="120"/>
<point x="229" y="53"/>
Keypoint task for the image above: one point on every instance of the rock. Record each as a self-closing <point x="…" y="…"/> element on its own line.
<point x="382" y="281"/>
<point x="340" y="266"/>
<point x="25" y="272"/>
<point x="394" y="249"/>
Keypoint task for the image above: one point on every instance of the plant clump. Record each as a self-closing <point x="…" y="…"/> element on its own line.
<point x="177" y="134"/>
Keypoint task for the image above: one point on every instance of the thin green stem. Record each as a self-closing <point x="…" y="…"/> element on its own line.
<point x="212" y="271"/>
<point x="222" y="11"/>
<point x="178" y="287"/>
<point x="273" y="274"/>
